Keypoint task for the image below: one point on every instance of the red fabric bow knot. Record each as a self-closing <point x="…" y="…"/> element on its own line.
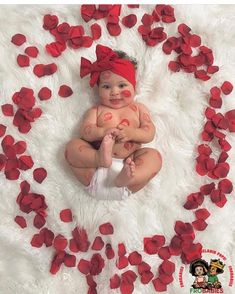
<point x="107" y="59"/>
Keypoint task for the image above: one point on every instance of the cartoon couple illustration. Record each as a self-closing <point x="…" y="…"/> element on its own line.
<point x="200" y="269"/>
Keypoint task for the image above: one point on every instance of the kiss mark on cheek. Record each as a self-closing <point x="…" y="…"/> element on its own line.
<point x="125" y="122"/>
<point x="133" y="107"/>
<point x="126" y="93"/>
<point x="146" y="117"/>
<point x="128" y="145"/>
<point x="106" y="75"/>
<point x="87" y="130"/>
<point x="108" y="116"/>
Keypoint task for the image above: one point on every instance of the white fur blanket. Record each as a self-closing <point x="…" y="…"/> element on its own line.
<point x="177" y="102"/>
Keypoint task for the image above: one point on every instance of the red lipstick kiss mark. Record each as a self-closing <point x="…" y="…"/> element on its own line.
<point x="133" y="107"/>
<point x="82" y="147"/>
<point x="108" y="116"/>
<point x="106" y="75"/>
<point x="87" y="130"/>
<point x="138" y="161"/>
<point x="126" y="93"/>
<point x="128" y="145"/>
<point x="146" y="117"/>
<point x="125" y="122"/>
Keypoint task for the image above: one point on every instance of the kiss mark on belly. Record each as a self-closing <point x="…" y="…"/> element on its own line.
<point x="108" y="116"/>
<point x="128" y="145"/>
<point x="133" y="107"/>
<point x="125" y="122"/>
<point x="126" y="93"/>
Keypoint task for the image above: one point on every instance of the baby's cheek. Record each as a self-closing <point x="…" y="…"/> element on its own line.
<point x="126" y="93"/>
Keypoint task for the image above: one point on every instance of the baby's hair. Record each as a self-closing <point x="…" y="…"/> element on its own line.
<point x="121" y="54"/>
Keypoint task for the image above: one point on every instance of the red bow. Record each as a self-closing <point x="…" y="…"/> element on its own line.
<point x="105" y="56"/>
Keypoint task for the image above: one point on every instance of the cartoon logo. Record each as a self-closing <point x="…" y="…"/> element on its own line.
<point x="206" y="275"/>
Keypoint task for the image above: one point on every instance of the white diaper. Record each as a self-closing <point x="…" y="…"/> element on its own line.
<point x="102" y="183"/>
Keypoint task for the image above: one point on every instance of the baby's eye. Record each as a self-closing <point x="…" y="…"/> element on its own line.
<point x="122" y="85"/>
<point x="105" y="87"/>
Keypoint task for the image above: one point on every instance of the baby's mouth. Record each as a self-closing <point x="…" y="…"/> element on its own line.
<point x="115" y="100"/>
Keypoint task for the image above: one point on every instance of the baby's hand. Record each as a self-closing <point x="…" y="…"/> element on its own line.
<point x="125" y="133"/>
<point x="113" y="131"/>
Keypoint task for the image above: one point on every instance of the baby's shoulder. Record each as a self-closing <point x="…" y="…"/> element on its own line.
<point x="141" y="106"/>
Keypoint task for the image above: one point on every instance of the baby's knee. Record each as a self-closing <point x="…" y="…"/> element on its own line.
<point x="72" y="147"/>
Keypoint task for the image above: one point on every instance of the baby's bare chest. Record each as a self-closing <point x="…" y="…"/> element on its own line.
<point x="110" y="118"/>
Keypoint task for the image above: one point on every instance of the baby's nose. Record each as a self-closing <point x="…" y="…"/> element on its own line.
<point x="114" y="91"/>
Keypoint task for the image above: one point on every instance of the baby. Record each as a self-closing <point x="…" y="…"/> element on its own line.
<point x="108" y="158"/>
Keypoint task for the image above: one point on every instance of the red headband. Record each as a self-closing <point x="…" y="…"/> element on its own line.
<point x="107" y="59"/>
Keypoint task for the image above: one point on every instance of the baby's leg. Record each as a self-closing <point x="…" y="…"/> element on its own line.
<point x="84" y="159"/>
<point x="139" y="169"/>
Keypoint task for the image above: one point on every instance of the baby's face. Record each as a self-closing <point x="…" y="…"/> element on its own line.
<point x="114" y="90"/>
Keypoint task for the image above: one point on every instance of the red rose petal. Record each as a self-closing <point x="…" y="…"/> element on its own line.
<point x="122" y="262"/>
<point x="185" y="230"/>
<point x="195" y="41"/>
<point x="121" y="249"/>
<point x="3" y="160"/>
<point x="25" y="162"/>
<point x="106" y="229"/>
<point x="65" y="91"/>
<point x="2" y="130"/>
<point x="114" y="282"/>
<point x="18" y="39"/>
<point x="109" y="252"/>
<point x="158" y="285"/>
<point x="212" y="69"/>
<point x="23" y="60"/>
<point x="129" y="277"/>
<point x="221" y="170"/>
<point x="113" y="29"/>
<point x="135" y="258"/>
<point x="202" y="213"/>
<point x="199" y="224"/>
<point x="175" y="246"/>
<point x="227" y="88"/>
<point x="38" y="70"/>
<point x="90" y="281"/>
<point x="12" y="174"/>
<point x="20" y="147"/>
<point x="202" y="75"/>
<point x="39" y="174"/>
<point x="60" y="242"/>
<point x="133" y="5"/>
<point x="57" y="262"/>
<point x="166" y="279"/>
<point x="97" y="264"/>
<point x="50" y="21"/>
<point x="95" y="31"/>
<point x="37" y="241"/>
<point x="98" y="244"/>
<point x="7" y="109"/>
<point x="225" y="186"/>
<point x="164" y="253"/>
<point x="55" y="48"/>
<point x="168" y="267"/>
<point x="48" y="236"/>
<point x="73" y="246"/>
<point x="44" y="93"/>
<point x="81" y="239"/>
<point x="129" y="21"/>
<point x="143" y="267"/>
<point x="39" y="221"/>
<point x="70" y="260"/>
<point x="66" y="215"/>
<point x="20" y="220"/>
<point x="206" y="189"/>
<point x="174" y="66"/>
<point x="31" y="51"/>
<point x="146" y="277"/>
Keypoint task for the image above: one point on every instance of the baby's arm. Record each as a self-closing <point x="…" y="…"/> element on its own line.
<point x="89" y="131"/>
<point x="146" y="132"/>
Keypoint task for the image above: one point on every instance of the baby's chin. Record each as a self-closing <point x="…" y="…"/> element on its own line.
<point x="116" y="104"/>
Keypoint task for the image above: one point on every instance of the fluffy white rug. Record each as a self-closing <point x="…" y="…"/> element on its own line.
<point x="177" y="102"/>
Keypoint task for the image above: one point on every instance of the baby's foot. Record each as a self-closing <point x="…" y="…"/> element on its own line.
<point x="126" y="174"/>
<point x="105" y="151"/>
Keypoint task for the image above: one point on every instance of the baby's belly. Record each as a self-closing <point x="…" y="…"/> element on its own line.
<point x="123" y="150"/>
